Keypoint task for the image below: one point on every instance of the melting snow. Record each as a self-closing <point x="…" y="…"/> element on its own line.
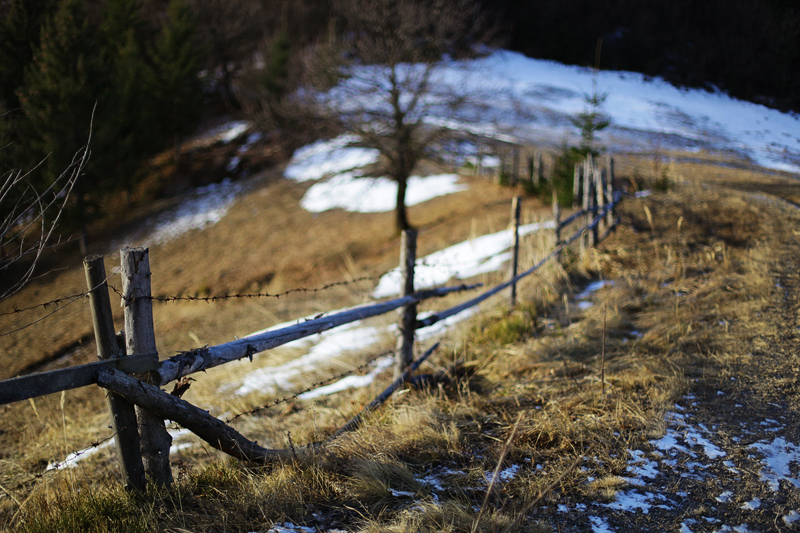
<point x="329" y="345"/>
<point x="791" y="518"/>
<point x="480" y="255"/>
<point x="202" y="207"/>
<point x="350" y="382"/>
<point x="752" y="505"/>
<point x="778" y="456"/>
<point x="72" y="460"/>
<point x="599" y="525"/>
<point x="374" y="195"/>
<point x="315" y="161"/>
<point x="288" y="527"/>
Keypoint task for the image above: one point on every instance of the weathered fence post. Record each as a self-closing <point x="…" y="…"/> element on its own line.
<point x="600" y="188"/>
<point x="140" y="338"/>
<point x="531" y="171"/>
<point x="557" y="219"/>
<point x="539" y="167"/>
<point x="577" y="198"/>
<point x="586" y="197"/>
<point x="515" y="216"/>
<point x="123" y="414"/>
<point x="612" y="212"/>
<point x="408" y="314"/>
<point x="514" y="178"/>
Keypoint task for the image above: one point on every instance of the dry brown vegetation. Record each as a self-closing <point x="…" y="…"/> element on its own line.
<point x="561" y="391"/>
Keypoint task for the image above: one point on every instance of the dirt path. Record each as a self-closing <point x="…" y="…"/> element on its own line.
<point x="730" y="458"/>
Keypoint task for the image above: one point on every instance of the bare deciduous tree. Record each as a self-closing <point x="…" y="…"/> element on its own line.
<point x="393" y="95"/>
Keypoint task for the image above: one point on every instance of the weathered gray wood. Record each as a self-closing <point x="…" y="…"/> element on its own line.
<point x="44" y="383"/>
<point x="357" y="420"/>
<point x="408" y="314"/>
<point x="600" y="193"/>
<point x="123" y="413"/>
<point x="612" y="213"/>
<point x="557" y="220"/>
<point x="515" y="215"/>
<point x="200" y="422"/>
<point x="586" y="196"/>
<point x="447" y="313"/>
<point x="140" y="338"/>
<point x="204" y="358"/>
<point x="531" y="171"/>
<point x="577" y="186"/>
<point x="514" y="177"/>
<point x="540" y="170"/>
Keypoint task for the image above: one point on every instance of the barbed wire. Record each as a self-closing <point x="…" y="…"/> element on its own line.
<point x="45" y="305"/>
<point x="55" y="467"/>
<point x="311" y="387"/>
<point x="51" y="313"/>
<point x="58" y="301"/>
<point x="209" y="299"/>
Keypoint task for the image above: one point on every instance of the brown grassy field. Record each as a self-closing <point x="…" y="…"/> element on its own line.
<point x="560" y="390"/>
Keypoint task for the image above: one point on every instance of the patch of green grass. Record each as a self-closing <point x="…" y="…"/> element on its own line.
<point x="102" y="509"/>
<point x="508" y="329"/>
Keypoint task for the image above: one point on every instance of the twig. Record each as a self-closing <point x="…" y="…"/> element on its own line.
<point x="603" y="352"/>
<point x="496" y="472"/>
<point x="547" y="489"/>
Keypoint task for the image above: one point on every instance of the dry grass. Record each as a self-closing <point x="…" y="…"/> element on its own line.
<point x="557" y="391"/>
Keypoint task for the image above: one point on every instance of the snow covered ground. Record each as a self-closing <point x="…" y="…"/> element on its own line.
<point x="647" y="115"/>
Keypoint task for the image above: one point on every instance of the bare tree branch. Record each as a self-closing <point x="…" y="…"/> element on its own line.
<point x="30" y="220"/>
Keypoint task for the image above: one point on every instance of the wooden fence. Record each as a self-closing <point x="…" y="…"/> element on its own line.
<point x="131" y="373"/>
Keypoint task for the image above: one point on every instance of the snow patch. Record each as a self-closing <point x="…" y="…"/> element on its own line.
<point x="358" y="194"/>
<point x="778" y="456"/>
<point x="332" y="156"/>
<point x="480" y="255"/>
<point x="329" y="345"/>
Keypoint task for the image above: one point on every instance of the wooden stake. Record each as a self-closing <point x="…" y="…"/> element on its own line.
<point x="515" y="216"/>
<point x="557" y="219"/>
<point x="123" y="414"/>
<point x="408" y="314"/>
<point x="577" y="186"/>
<point x="512" y="180"/>
<point x="600" y="190"/>
<point x="612" y="213"/>
<point x="540" y="167"/>
<point x="140" y="338"/>
<point x="586" y="196"/>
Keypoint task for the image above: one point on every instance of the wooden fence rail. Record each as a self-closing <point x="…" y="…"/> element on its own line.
<point x="147" y="447"/>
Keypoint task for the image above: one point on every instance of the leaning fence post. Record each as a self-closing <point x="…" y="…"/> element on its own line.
<point x="140" y="338"/>
<point x="123" y="414"/>
<point x="515" y="212"/>
<point x="600" y="187"/>
<point x="576" y="186"/>
<point x="408" y="314"/>
<point x="512" y="180"/>
<point x="586" y="197"/>
<point x="612" y="212"/>
<point x="557" y="219"/>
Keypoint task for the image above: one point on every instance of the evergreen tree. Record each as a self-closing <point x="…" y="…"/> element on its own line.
<point x="173" y="83"/>
<point x="20" y="23"/>
<point x="131" y="114"/>
<point x="58" y="98"/>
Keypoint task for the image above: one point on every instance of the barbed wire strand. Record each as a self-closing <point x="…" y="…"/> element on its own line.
<point x="72" y="299"/>
<point x="311" y="387"/>
<point x="45" y="305"/>
<point x="56" y="467"/>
